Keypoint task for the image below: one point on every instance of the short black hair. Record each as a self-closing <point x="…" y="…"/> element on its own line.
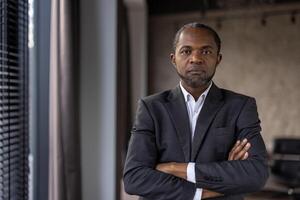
<point x="197" y="25"/>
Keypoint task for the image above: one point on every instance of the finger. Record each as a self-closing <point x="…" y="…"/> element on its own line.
<point x="236" y="145"/>
<point x="244" y="141"/>
<point x="240" y="146"/>
<point x="232" y="150"/>
<point x="162" y="168"/>
<point x="157" y="167"/>
<point x="235" y="151"/>
<point x="241" y="153"/>
<point x="245" y="156"/>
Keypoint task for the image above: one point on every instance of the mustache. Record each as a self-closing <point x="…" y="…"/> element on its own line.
<point x="196" y="67"/>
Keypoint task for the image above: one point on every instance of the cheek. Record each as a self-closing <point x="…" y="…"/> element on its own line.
<point x="180" y="67"/>
<point x="182" y="63"/>
<point x="212" y="63"/>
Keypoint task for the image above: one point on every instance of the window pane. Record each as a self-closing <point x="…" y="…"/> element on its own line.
<point x="13" y="100"/>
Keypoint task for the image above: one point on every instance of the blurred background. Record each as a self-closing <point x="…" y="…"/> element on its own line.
<point x="73" y="84"/>
<point x="260" y="47"/>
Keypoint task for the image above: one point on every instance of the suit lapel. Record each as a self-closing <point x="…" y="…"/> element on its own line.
<point x="177" y="109"/>
<point x="212" y="104"/>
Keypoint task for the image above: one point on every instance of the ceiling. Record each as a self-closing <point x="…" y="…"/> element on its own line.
<point x="158" y="7"/>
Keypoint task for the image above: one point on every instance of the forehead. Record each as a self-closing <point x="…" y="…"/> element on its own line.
<point x="196" y="37"/>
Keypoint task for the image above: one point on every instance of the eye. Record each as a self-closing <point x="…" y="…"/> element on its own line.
<point x="185" y="52"/>
<point x="206" y="52"/>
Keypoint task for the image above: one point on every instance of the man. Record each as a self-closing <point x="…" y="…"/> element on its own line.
<point x="193" y="142"/>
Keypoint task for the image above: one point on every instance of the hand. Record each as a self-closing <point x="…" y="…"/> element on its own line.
<point x="206" y="194"/>
<point x="173" y="168"/>
<point x="240" y="150"/>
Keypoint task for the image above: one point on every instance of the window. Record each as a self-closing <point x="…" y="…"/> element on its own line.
<point x="14" y="100"/>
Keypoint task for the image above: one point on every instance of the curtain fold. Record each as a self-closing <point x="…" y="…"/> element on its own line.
<point x="64" y="134"/>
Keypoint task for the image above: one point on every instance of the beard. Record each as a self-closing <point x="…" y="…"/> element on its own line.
<point x="196" y="80"/>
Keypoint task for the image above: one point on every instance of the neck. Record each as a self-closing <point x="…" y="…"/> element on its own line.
<point x="195" y="91"/>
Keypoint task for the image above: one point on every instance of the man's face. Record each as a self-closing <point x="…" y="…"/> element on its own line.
<point x="196" y="57"/>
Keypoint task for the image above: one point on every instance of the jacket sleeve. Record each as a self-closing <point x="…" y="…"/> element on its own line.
<point x="240" y="176"/>
<point x="140" y="176"/>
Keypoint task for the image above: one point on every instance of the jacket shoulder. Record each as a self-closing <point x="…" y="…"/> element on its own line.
<point x="231" y="95"/>
<point x="157" y="97"/>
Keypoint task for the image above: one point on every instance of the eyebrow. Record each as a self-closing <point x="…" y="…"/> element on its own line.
<point x="190" y="47"/>
<point x="207" y="47"/>
<point x="185" y="46"/>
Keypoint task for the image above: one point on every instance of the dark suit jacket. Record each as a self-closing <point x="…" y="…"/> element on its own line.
<point x="161" y="133"/>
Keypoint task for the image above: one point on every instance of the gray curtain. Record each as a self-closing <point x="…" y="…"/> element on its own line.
<point x="64" y="143"/>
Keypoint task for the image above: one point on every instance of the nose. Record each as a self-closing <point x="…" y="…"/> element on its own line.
<point x="196" y="58"/>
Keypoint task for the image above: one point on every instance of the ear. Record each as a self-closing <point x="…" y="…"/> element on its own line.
<point x="219" y="58"/>
<point x="172" y="57"/>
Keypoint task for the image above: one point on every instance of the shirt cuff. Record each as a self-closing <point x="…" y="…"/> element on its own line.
<point x="198" y="194"/>
<point x="190" y="172"/>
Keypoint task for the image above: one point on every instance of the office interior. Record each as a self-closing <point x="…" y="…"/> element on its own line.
<point x="120" y="53"/>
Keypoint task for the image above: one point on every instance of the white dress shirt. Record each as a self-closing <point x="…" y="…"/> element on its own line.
<point x="193" y="108"/>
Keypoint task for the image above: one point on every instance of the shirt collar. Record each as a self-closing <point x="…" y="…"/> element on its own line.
<point x="187" y="95"/>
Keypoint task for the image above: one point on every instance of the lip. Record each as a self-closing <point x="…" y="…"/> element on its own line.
<point x="196" y="71"/>
<point x="196" y="68"/>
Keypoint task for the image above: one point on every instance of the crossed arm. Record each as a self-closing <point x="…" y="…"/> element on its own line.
<point x="243" y="173"/>
<point x="238" y="152"/>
